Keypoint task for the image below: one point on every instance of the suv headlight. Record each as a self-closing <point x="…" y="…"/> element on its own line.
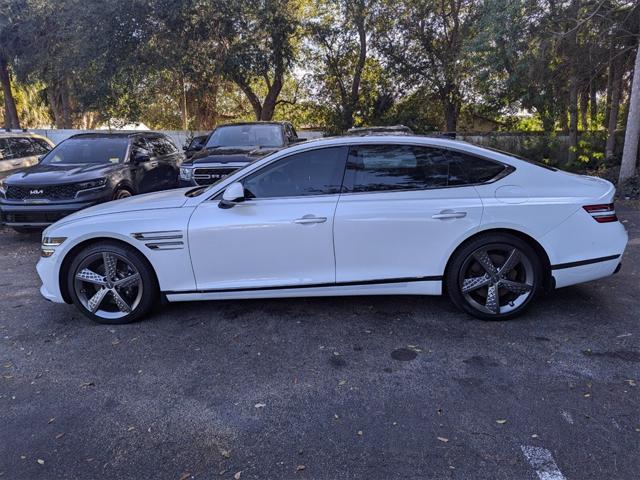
<point x="91" y="184"/>
<point x="186" y="173"/>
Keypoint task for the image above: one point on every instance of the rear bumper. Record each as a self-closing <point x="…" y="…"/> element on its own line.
<point x="40" y="215"/>
<point x="585" y="272"/>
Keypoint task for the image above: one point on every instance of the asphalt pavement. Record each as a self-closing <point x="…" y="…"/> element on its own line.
<point x="329" y="388"/>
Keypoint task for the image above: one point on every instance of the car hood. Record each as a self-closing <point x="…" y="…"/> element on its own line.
<point x="229" y="155"/>
<point x="149" y="201"/>
<point x="46" y="174"/>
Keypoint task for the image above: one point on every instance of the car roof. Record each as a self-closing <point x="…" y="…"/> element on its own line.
<point x="261" y="122"/>
<point x="118" y="134"/>
<point x="19" y="135"/>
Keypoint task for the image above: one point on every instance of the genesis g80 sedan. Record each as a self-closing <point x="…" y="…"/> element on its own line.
<point x="376" y="215"/>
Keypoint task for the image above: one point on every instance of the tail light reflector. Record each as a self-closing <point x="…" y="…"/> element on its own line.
<point x="603" y="213"/>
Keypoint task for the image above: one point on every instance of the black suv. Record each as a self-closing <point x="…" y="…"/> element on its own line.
<point x="233" y="146"/>
<point x="87" y="169"/>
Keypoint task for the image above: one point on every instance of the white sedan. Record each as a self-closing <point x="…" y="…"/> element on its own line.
<point x="378" y="215"/>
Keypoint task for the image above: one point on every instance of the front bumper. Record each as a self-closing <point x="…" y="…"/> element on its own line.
<point x="41" y="214"/>
<point x="47" y="269"/>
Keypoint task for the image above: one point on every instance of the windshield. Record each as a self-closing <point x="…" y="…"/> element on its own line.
<point x="88" y="150"/>
<point x="246" y="136"/>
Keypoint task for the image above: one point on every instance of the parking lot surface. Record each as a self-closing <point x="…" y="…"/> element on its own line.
<point x="330" y="388"/>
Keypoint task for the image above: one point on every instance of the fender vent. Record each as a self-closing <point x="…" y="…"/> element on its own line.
<point x="164" y="240"/>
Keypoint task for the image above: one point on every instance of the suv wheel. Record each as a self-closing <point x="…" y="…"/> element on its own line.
<point x="112" y="283"/>
<point x="122" y="193"/>
<point x="494" y="277"/>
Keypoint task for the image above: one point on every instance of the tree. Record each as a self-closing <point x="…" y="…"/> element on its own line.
<point x="262" y="42"/>
<point x="632" y="134"/>
<point x="11" y="119"/>
<point x="425" y="44"/>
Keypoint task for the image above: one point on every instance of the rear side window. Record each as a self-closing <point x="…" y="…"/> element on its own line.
<point x="465" y="169"/>
<point x="379" y="168"/>
<point x="21" y="147"/>
<point x="315" y="172"/>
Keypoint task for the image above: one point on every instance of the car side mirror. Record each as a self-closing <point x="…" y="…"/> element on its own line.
<point x="141" y="158"/>
<point x="232" y="195"/>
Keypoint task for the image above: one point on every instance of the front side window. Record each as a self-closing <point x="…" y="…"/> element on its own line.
<point x="314" y="172"/>
<point x="380" y="168"/>
<point x="88" y="150"/>
<point x="40" y="146"/>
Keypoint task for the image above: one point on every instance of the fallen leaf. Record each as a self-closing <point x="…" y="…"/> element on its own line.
<point x="130" y="429"/>
<point x="631" y="382"/>
<point x="51" y="420"/>
<point x="443" y="439"/>
<point x="226" y="453"/>
<point x="260" y="405"/>
<point x="587" y="395"/>
<point x="185" y="475"/>
<point x="237" y="475"/>
<point x="300" y="467"/>
<point x="60" y="435"/>
<point x="535" y="435"/>
<point x="501" y="421"/>
<point x="360" y="432"/>
<point x="87" y="384"/>
<point x="40" y="461"/>
<point x="342" y="382"/>
<point x="335" y="415"/>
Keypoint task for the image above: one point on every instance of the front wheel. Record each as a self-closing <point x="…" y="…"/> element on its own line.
<point x="112" y="283"/>
<point x="494" y="276"/>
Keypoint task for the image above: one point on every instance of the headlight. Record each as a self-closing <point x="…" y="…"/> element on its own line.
<point x="186" y="173"/>
<point x="91" y="184"/>
<point x="49" y="245"/>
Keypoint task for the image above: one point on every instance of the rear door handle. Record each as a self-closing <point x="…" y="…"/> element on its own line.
<point x="309" y="219"/>
<point x="445" y="214"/>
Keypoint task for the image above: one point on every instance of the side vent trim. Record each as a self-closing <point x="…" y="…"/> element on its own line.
<point x="163" y="240"/>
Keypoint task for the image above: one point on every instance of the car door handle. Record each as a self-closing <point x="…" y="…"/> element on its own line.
<point x="445" y="214"/>
<point x="309" y="219"/>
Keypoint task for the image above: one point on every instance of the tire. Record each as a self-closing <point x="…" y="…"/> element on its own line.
<point x="494" y="276"/>
<point x="128" y="294"/>
<point x="121" y="193"/>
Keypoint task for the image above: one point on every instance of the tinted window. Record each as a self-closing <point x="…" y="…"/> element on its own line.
<point x="140" y="148"/>
<point x="315" y="172"/>
<point x="21" y="147"/>
<point x="159" y="146"/>
<point x="251" y="135"/>
<point x="170" y="146"/>
<point x="375" y="168"/>
<point x="40" y="146"/>
<point x="82" y="150"/>
<point x="5" y="152"/>
<point x="197" y="143"/>
<point x="467" y="169"/>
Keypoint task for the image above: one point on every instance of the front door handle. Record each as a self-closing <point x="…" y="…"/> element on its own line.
<point x="445" y="214"/>
<point x="309" y="219"/>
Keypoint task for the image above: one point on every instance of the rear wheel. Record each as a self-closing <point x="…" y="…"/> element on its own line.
<point x="112" y="283"/>
<point x="494" y="277"/>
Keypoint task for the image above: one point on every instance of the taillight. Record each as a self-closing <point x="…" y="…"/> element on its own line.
<point x="603" y="213"/>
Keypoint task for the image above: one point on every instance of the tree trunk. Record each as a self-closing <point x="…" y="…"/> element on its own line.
<point x="610" y="74"/>
<point x="593" y="104"/>
<point x="11" y="119"/>
<point x="584" y="107"/>
<point x="616" y="86"/>
<point x="573" y="120"/>
<point x="632" y="134"/>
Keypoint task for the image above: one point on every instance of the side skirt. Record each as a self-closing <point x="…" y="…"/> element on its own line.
<point x="432" y="286"/>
